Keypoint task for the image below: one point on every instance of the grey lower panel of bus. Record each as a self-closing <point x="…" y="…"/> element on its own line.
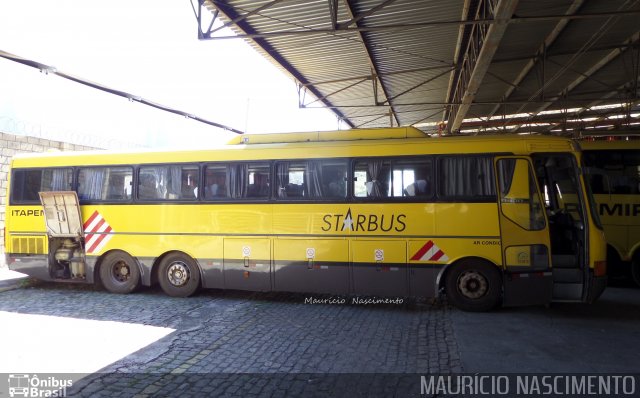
<point x="311" y="277"/>
<point x="36" y="266"/>
<point x="380" y="279"/>
<point x="254" y="275"/>
<point x="288" y="276"/>
<point x="321" y="277"/>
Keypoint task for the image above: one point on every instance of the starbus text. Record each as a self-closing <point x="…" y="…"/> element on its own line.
<point x="364" y="222"/>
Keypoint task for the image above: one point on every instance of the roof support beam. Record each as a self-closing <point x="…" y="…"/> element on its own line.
<point x="592" y="70"/>
<point x="551" y="37"/>
<point x="372" y="64"/>
<point x="605" y="97"/>
<point x="244" y="16"/>
<point x="420" y="25"/>
<point x="356" y="18"/>
<point x="416" y="86"/>
<point x="334" y="92"/>
<point x="598" y="65"/>
<point x="456" y="58"/>
<point x="333" y="13"/>
<point x="477" y="61"/>
<point x="400" y="72"/>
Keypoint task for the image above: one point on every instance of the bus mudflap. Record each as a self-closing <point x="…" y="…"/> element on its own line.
<point x="527" y="288"/>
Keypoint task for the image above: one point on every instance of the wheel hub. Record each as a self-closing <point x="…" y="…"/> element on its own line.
<point x="178" y="273"/>
<point x="473" y="285"/>
<point x="121" y="271"/>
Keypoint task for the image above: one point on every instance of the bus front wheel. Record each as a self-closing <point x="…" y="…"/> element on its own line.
<point x="178" y="275"/>
<point x="473" y="285"/>
<point x="119" y="273"/>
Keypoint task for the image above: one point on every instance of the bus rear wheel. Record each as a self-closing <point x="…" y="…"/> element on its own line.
<point x="474" y="285"/>
<point x="119" y="273"/>
<point x="178" y="275"/>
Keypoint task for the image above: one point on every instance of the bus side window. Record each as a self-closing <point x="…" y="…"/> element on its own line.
<point x="104" y="183"/>
<point x="147" y="187"/>
<point x="334" y="179"/>
<point x="311" y="179"/>
<point x="25" y="185"/>
<point x="412" y="178"/>
<point x="372" y="178"/>
<point x="175" y="182"/>
<point x="119" y="180"/>
<point x="91" y="183"/>
<point x="259" y="185"/>
<point x="215" y="182"/>
<point x="466" y="177"/>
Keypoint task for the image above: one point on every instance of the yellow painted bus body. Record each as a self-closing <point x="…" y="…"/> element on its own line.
<point x="350" y="247"/>
<point x="618" y="197"/>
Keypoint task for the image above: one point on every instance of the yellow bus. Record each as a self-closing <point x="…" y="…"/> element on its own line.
<point x="614" y="176"/>
<point x="380" y="213"/>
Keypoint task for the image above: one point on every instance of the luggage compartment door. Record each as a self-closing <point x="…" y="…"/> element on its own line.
<point x="62" y="214"/>
<point x="379" y="267"/>
<point x="247" y="264"/>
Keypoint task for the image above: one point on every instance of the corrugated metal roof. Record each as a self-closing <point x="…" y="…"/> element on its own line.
<point x="428" y="63"/>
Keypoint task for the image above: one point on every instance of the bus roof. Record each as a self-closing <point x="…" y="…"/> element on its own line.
<point x="301" y="149"/>
<point x="340" y="135"/>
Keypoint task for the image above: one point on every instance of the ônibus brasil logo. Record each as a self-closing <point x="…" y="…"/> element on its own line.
<point x="364" y="222"/>
<point x="24" y="385"/>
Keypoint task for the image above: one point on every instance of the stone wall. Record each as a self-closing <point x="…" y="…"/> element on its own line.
<point x="12" y="144"/>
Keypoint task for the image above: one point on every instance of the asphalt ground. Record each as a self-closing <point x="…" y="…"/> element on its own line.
<point x="230" y="343"/>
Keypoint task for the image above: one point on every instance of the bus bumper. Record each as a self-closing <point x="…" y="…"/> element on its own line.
<point x="596" y="287"/>
<point x="33" y="265"/>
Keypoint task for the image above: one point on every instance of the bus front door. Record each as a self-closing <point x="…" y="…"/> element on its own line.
<point x="525" y="237"/>
<point x="558" y="176"/>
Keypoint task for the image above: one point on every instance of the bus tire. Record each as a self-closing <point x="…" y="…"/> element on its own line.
<point x="178" y="275"/>
<point x="474" y="285"/>
<point x="119" y="273"/>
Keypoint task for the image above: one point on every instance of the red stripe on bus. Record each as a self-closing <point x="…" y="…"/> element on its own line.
<point x="90" y="220"/>
<point x="423" y="250"/>
<point x="97" y="227"/>
<point x="437" y="256"/>
<point x="99" y="239"/>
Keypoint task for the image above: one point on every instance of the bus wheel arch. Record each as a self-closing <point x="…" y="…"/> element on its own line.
<point x="473" y="284"/>
<point x="178" y="274"/>
<point x="118" y="272"/>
